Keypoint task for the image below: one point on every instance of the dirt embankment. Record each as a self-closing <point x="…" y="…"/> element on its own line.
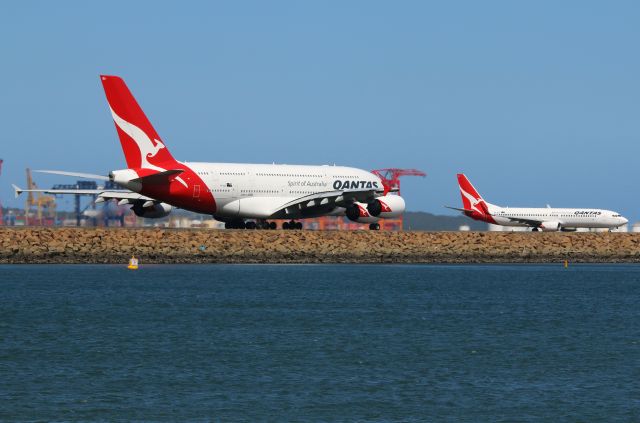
<point x="72" y="245"/>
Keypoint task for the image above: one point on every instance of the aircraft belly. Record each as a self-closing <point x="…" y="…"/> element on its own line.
<point x="259" y="207"/>
<point x="228" y="207"/>
<point x="505" y="222"/>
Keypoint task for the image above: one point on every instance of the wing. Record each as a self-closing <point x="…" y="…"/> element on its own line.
<point x="76" y="174"/>
<point x="530" y="222"/>
<point x="123" y="196"/>
<point x="323" y="201"/>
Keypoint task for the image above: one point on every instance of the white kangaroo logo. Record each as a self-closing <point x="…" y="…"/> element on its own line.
<point x="474" y="201"/>
<point x="148" y="149"/>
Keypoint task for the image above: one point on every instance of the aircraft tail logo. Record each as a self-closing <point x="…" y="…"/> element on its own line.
<point x="471" y="199"/>
<point x="141" y="144"/>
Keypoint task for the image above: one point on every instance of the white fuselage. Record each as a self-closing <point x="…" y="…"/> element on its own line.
<point x="565" y="218"/>
<point x="260" y="190"/>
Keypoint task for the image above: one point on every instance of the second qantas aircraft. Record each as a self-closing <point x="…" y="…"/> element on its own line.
<point x="546" y="219"/>
<point x="155" y="182"/>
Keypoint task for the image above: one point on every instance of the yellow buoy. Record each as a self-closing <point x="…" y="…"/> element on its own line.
<point x="133" y="263"/>
<point x="566" y="264"/>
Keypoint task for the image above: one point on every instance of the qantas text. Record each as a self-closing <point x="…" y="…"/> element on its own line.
<point x="354" y="185"/>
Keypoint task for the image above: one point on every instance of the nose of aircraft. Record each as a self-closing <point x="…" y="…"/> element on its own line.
<point x="624" y="220"/>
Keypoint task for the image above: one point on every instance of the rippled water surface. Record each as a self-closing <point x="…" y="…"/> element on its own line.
<point x="320" y="343"/>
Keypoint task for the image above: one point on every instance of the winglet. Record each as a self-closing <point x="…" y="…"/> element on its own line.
<point x="16" y="190"/>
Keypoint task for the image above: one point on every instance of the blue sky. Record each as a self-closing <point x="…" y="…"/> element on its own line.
<point x="536" y="102"/>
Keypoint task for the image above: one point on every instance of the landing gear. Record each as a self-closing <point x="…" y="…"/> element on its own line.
<point x="292" y="225"/>
<point x="258" y="224"/>
<point x="235" y="224"/>
<point x="374" y="226"/>
<point x="263" y="224"/>
<point x="535" y="230"/>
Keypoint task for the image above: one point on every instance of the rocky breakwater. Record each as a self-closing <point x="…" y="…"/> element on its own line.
<point x="88" y="245"/>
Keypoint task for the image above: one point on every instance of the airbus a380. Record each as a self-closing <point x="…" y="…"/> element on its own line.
<point x="154" y="182"/>
<point x="545" y="219"/>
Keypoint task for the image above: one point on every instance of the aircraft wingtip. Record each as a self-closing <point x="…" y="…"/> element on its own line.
<point x="16" y="190"/>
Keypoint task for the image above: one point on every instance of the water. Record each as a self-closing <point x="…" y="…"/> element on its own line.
<point x="320" y="343"/>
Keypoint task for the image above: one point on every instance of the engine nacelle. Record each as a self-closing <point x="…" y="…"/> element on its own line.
<point x="357" y="212"/>
<point x="550" y="226"/>
<point x="155" y="211"/>
<point x="387" y="206"/>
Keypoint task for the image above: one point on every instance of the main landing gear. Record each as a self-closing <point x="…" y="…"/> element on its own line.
<point x="374" y="226"/>
<point x="263" y="224"/>
<point x="241" y="224"/>
<point x="292" y="225"/>
<point x="235" y="224"/>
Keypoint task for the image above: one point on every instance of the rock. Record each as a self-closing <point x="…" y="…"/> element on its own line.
<point x="115" y="245"/>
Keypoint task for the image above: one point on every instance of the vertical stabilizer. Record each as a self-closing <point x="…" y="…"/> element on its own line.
<point x="141" y="144"/>
<point x="471" y="199"/>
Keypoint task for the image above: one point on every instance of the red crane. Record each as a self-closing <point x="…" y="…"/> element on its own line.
<point x="391" y="177"/>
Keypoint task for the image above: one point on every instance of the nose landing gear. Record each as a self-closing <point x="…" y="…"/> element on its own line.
<point x="374" y="226"/>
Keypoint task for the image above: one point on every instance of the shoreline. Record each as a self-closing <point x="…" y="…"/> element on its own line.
<point x="45" y="245"/>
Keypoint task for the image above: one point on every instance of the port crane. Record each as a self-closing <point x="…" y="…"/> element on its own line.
<point x="45" y="204"/>
<point x="391" y="176"/>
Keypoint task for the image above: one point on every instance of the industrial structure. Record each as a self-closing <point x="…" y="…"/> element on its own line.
<point x="391" y="176"/>
<point x="45" y="205"/>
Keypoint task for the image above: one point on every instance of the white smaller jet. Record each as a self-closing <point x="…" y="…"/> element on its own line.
<point x="545" y="219"/>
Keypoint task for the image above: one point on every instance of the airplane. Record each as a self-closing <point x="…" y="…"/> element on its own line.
<point x="539" y="219"/>
<point x="154" y="182"/>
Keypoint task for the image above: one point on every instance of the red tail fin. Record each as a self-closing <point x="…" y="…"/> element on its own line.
<point x="142" y="146"/>
<point x="471" y="199"/>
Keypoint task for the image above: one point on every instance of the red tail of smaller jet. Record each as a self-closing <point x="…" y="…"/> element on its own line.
<point x="471" y="199"/>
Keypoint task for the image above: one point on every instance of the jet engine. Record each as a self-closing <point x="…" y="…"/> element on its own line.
<point x="357" y="212"/>
<point x="387" y="206"/>
<point x="550" y="226"/>
<point x="154" y="211"/>
<point x="563" y="229"/>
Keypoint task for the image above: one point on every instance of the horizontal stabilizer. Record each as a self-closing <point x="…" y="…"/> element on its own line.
<point x="158" y="178"/>
<point x="459" y="209"/>
<point x="74" y="174"/>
